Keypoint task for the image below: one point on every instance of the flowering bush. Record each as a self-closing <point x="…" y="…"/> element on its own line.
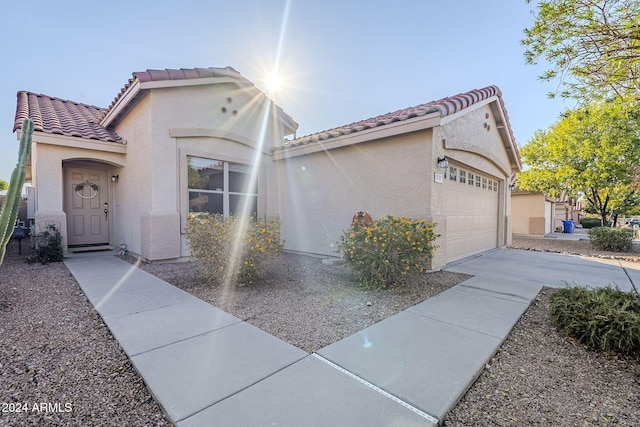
<point x="389" y="249"/>
<point x="230" y="248"/>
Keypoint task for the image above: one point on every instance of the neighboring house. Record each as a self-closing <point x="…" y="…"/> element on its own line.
<point x="533" y="213"/>
<point x="180" y="141"/>
<point x="538" y="214"/>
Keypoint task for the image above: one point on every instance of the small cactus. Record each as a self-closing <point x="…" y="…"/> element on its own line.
<point x="9" y="211"/>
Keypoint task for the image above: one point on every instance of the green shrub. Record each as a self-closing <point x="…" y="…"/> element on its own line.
<point x="604" y="319"/>
<point x="232" y="249"/>
<point x="48" y="246"/>
<point x="591" y="222"/>
<point x="611" y="239"/>
<point x="388" y="250"/>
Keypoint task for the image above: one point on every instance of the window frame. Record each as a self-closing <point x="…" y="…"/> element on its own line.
<point x="226" y="193"/>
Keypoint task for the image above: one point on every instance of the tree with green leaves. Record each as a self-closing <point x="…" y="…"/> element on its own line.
<point x="591" y="152"/>
<point x="592" y="46"/>
<point x="3" y="185"/>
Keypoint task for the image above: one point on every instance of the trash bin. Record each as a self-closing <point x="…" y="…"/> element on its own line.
<point x="567" y="226"/>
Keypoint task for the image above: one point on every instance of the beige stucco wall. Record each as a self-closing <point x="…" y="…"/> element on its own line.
<point x="219" y="122"/>
<point x="133" y="189"/>
<point x="48" y="154"/>
<point x="323" y="184"/>
<point x="320" y="192"/>
<point x="528" y="212"/>
<point x="149" y="202"/>
<point x="471" y="139"/>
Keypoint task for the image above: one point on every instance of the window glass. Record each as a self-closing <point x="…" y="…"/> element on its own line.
<point x="206" y="174"/>
<point x="205" y="202"/>
<point x="239" y="177"/>
<point x="235" y="204"/>
<point x="471" y="177"/>
<point x="463" y="176"/>
<point x="221" y="187"/>
<point x="453" y="174"/>
<point x="478" y="181"/>
<point x="484" y="182"/>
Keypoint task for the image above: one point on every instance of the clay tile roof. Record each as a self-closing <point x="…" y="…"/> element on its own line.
<point x="176" y="74"/>
<point x="185" y="73"/>
<point x="62" y="117"/>
<point x="445" y="106"/>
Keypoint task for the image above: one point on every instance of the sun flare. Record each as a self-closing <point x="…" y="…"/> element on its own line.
<point x="273" y="82"/>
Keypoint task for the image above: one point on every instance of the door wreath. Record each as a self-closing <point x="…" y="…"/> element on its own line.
<point x="80" y="187"/>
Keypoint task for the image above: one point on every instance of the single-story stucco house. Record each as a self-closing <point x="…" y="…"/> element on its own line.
<point x="205" y="139"/>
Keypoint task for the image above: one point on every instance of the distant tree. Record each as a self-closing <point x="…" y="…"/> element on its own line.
<point x="591" y="152"/>
<point x="593" y="47"/>
<point x="3" y="185"/>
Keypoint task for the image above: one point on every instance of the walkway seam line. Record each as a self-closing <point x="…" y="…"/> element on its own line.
<point x="379" y="390"/>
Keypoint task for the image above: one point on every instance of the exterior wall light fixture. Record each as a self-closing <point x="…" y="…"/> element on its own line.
<point x="443" y="162"/>
<point x="115" y="178"/>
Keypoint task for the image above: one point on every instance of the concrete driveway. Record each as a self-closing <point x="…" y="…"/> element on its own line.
<point x="551" y="269"/>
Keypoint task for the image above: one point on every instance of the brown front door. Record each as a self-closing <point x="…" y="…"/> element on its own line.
<point x="86" y="199"/>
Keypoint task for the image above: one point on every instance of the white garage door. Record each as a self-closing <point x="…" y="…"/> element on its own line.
<point x="471" y="208"/>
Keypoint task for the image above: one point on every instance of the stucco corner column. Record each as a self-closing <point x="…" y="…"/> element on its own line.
<point x="509" y="231"/>
<point x="160" y="236"/>
<point x="439" y="259"/>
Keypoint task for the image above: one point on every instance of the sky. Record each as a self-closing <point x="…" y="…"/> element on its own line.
<point x="340" y="61"/>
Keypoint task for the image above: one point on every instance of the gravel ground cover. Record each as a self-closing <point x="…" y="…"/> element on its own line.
<point x="59" y="364"/>
<point x="55" y="349"/>
<point x="541" y="378"/>
<point x="305" y="302"/>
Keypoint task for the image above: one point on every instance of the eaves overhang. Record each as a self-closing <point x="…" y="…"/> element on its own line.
<point x="416" y="124"/>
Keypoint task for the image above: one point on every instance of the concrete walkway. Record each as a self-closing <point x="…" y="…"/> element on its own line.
<point x="207" y="367"/>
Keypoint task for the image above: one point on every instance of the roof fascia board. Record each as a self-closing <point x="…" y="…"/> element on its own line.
<point x="507" y="139"/>
<point x="290" y="125"/>
<point x="155" y="84"/>
<point x="407" y="126"/>
<point x="124" y="100"/>
<point x="76" y="142"/>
